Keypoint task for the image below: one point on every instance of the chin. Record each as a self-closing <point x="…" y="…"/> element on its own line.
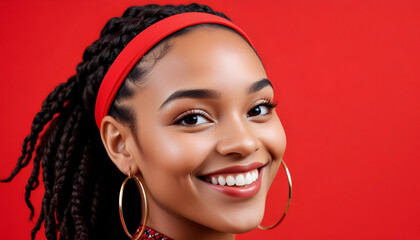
<point x="244" y="226"/>
<point x="243" y="222"/>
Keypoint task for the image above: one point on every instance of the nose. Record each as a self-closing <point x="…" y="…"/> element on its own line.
<point x="237" y="139"/>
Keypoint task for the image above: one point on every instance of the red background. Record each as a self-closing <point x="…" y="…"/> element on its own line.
<point x="346" y="75"/>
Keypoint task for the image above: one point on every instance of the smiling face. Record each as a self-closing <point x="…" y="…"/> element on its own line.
<point x="204" y="121"/>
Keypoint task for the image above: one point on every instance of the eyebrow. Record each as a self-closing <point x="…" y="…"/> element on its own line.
<point x="257" y="86"/>
<point x="193" y="93"/>
<point x="212" y="94"/>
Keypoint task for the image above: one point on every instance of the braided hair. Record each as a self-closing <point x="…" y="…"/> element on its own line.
<point x="81" y="183"/>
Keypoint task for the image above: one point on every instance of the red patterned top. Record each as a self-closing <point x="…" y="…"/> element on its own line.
<point x="150" y="233"/>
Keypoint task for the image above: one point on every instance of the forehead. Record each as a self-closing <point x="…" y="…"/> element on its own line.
<point x="208" y="57"/>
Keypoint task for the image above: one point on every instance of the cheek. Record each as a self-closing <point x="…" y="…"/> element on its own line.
<point x="274" y="138"/>
<point x="174" y="152"/>
<point x="168" y="161"/>
<point x="170" y="156"/>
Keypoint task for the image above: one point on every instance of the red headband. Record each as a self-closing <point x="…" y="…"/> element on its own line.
<point x="142" y="43"/>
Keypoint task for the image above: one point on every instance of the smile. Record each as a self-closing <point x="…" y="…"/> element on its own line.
<point x="239" y="180"/>
<point x="236" y="181"/>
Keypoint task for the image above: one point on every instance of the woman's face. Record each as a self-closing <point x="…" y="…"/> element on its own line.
<point x="204" y="122"/>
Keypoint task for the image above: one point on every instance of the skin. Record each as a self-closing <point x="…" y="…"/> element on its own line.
<point x="169" y="155"/>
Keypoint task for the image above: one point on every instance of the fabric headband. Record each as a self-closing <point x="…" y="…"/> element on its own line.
<point x="139" y="46"/>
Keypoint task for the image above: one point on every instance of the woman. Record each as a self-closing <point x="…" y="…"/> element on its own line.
<point x="188" y="115"/>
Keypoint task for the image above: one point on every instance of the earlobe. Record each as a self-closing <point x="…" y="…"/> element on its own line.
<point x="117" y="138"/>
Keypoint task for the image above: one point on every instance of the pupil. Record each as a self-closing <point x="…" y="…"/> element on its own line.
<point x="191" y="120"/>
<point x="255" y="111"/>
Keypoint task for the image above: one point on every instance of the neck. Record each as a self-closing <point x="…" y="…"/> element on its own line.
<point x="177" y="227"/>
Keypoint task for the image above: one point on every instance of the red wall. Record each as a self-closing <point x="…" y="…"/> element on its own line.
<point x="347" y="78"/>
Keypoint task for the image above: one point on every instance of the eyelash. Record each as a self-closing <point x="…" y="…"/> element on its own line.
<point x="189" y="113"/>
<point x="198" y="112"/>
<point x="266" y="103"/>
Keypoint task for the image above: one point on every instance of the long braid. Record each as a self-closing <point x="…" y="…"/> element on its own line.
<point x="66" y="224"/>
<point x="33" y="181"/>
<point x="48" y="178"/>
<point x="38" y="224"/>
<point x="50" y="137"/>
<point x="80" y="181"/>
<point x="65" y="156"/>
<point x="77" y="197"/>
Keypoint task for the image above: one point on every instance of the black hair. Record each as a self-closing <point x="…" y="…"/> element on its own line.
<point x="81" y="183"/>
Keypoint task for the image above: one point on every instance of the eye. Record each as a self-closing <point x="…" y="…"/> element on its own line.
<point x="192" y="118"/>
<point x="261" y="109"/>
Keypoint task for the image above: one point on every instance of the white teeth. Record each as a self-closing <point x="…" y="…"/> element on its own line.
<point x="221" y="181"/>
<point x="248" y="178"/>
<point x="214" y="180"/>
<point x="254" y="175"/>
<point x="230" y="181"/>
<point x="240" y="179"/>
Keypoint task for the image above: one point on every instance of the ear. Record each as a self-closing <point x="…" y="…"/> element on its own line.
<point x="119" y="144"/>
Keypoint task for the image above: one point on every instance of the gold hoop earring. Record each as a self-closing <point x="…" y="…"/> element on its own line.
<point x="289" y="179"/>
<point x="146" y="206"/>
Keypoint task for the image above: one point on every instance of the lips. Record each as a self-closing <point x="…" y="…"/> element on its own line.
<point x="237" y="181"/>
